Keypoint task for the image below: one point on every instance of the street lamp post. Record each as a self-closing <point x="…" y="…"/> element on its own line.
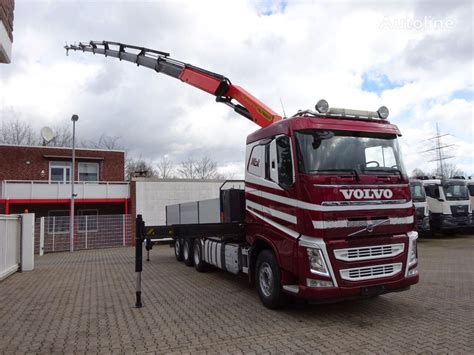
<point x="74" y="119"/>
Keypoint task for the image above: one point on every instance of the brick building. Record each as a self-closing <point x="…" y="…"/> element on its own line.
<point x="37" y="180"/>
<point x="6" y="30"/>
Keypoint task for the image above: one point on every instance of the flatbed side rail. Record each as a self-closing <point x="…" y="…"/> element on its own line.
<point x="211" y="230"/>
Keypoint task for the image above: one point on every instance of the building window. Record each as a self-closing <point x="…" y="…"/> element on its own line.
<point x="60" y="172"/>
<point x="87" y="220"/>
<point x="89" y="172"/>
<point x="58" y="222"/>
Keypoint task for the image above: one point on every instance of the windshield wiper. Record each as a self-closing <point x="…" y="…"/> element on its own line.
<point x="354" y="171"/>
<point x="386" y="170"/>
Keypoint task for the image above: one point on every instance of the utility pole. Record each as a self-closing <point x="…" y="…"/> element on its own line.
<point x="438" y="149"/>
<point x="74" y="119"/>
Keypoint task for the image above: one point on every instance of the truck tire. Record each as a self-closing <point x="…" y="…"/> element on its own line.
<point x="199" y="263"/>
<point x="188" y="252"/>
<point x="178" y="249"/>
<point x="267" y="277"/>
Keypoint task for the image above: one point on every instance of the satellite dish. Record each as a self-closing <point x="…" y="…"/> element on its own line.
<point x="47" y="134"/>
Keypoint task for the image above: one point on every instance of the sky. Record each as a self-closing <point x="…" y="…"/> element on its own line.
<point x="415" y="57"/>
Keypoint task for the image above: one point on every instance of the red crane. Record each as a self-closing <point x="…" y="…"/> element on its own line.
<point x="212" y="83"/>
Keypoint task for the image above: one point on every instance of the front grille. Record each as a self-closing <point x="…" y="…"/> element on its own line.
<point x="459" y="210"/>
<point x="367" y="253"/>
<point x="370" y="272"/>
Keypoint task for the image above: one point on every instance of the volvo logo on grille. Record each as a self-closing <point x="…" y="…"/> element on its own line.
<point x="369" y="194"/>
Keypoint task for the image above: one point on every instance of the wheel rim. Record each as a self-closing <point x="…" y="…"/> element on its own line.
<point x="186" y="251"/>
<point x="176" y="247"/>
<point x="197" y="254"/>
<point x="265" y="278"/>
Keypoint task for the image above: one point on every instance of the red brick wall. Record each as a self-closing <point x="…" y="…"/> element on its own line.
<point x="6" y="15"/>
<point x="26" y="163"/>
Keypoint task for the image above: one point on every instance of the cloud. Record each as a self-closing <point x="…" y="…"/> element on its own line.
<point x="298" y="52"/>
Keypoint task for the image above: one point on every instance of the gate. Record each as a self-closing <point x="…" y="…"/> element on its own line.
<point x="10" y="241"/>
<point x="90" y="232"/>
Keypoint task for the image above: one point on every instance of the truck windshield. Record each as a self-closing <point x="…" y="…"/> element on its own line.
<point x="417" y="192"/>
<point x="321" y="151"/>
<point x="455" y="191"/>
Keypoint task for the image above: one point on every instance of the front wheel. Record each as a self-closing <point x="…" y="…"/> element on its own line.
<point x="268" y="280"/>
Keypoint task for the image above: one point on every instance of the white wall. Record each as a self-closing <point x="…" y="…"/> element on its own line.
<point x="17" y="240"/>
<point x="152" y="195"/>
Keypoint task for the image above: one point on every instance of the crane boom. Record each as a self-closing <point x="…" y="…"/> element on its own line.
<point x="212" y="83"/>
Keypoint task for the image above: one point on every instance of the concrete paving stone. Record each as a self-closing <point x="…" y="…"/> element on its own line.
<point x="82" y="302"/>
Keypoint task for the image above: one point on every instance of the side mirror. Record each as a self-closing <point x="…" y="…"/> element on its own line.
<point x="440" y="200"/>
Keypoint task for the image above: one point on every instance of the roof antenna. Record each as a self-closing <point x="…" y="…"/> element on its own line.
<point x="283" y="107"/>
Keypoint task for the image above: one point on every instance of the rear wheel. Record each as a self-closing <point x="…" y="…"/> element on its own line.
<point x="178" y="249"/>
<point x="188" y="252"/>
<point x="267" y="276"/>
<point x="199" y="262"/>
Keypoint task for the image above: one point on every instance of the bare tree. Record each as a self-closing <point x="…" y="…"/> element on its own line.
<point x="104" y="142"/>
<point x="138" y="167"/>
<point x="418" y="172"/>
<point x="452" y="170"/>
<point x="62" y="136"/>
<point x="204" y="168"/>
<point x="187" y="170"/>
<point x="17" y="132"/>
<point x="165" y="168"/>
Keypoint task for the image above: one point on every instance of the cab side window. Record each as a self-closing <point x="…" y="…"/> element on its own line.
<point x="256" y="165"/>
<point x="285" y="164"/>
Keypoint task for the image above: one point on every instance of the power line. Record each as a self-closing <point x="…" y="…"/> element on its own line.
<point x="438" y="149"/>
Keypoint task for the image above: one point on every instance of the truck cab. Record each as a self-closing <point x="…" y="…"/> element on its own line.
<point x="418" y="196"/>
<point x="470" y="188"/>
<point x="449" y="204"/>
<point x="329" y="196"/>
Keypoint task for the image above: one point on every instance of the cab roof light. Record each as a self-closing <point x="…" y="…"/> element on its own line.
<point x="383" y="112"/>
<point x="322" y="106"/>
<point x="323" y="109"/>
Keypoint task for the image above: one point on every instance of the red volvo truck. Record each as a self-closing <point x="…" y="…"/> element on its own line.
<point x="325" y="212"/>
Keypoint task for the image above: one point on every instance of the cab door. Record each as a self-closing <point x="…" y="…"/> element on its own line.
<point x="282" y="208"/>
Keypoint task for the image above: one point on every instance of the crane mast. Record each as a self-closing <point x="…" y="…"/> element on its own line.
<point x="215" y="84"/>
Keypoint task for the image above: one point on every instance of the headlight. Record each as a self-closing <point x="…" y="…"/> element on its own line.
<point x="412" y="257"/>
<point x="317" y="264"/>
<point x="413" y="252"/>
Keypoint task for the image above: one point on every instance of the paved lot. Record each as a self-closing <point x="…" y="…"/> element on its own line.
<point x="82" y="302"/>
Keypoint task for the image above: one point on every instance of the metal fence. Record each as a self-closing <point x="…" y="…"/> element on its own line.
<point x="10" y="229"/>
<point x="91" y="232"/>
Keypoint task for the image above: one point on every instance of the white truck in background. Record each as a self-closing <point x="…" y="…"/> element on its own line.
<point x="449" y="204"/>
<point x="422" y="212"/>
<point x="470" y="188"/>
